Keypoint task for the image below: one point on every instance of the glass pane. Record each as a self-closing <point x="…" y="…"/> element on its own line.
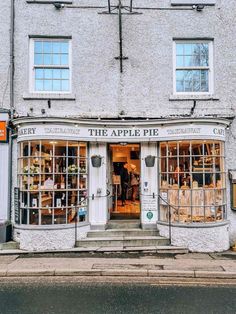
<point x="59" y="199"/>
<point x="48" y="74"/>
<point x="38" y="59"/>
<point x="163" y="149"/>
<point x="73" y="149"/>
<point x="46" y="216"/>
<point x="56" y="85"/>
<point x="188" y="49"/>
<point x="60" y="148"/>
<point x="47" y="59"/>
<point x="47" y="47"/>
<point x="57" y="73"/>
<point x="179" y="49"/>
<point x="64" y="47"/>
<point x="198" y="214"/>
<point x="173" y="163"/>
<point x="196" y="81"/>
<point x="64" y="85"/>
<point x="60" y="165"/>
<point x="24" y="215"/>
<point x="39" y="73"/>
<point x="204" y="50"/>
<point x="56" y="59"/>
<point x="64" y="59"/>
<point x="39" y="85"/>
<point x="71" y="215"/>
<point x="56" y="46"/>
<point x="59" y="216"/>
<point x="172" y="149"/>
<point x="48" y="85"/>
<point x="60" y="182"/>
<point x="72" y="181"/>
<point x="179" y="61"/>
<point x="34" y="216"/>
<point x="72" y="198"/>
<point x="204" y="80"/>
<point x="65" y="74"/>
<point x="38" y="46"/>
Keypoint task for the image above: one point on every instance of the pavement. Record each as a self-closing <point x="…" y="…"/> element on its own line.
<point x="191" y="267"/>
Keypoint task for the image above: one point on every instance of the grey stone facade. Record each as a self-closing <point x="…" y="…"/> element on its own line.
<point x="5" y="54"/>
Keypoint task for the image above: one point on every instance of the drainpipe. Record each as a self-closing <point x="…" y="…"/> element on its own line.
<point x="12" y="30"/>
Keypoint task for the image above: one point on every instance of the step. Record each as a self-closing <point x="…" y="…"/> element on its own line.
<point x="122" y="233"/>
<point x="123" y="241"/>
<point x="11" y="245"/>
<point x="123" y="224"/>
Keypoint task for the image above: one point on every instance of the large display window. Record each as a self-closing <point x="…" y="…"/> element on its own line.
<point x="52" y="177"/>
<point x="192" y="181"/>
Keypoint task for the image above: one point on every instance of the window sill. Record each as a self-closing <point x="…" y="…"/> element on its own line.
<point x="183" y="97"/>
<point x="38" y="96"/>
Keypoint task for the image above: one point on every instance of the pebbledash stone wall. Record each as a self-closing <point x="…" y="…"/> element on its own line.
<point x="205" y="238"/>
<point x="46" y="238"/>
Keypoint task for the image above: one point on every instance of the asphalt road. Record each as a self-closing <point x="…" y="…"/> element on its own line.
<point x="77" y="297"/>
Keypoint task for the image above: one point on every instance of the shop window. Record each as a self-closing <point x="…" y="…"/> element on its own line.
<point x="50" y="65"/>
<point x="53" y="182"/>
<point x="193" y="67"/>
<point x="192" y="181"/>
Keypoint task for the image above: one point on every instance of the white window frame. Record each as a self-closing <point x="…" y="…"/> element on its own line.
<point x="209" y="68"/>
<point x="32" y="65"/>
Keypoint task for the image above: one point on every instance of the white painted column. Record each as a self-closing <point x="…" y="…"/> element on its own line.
<point x="98" y="212"/>
<point x="149" y="186"/>
<point x="4" y="181"/>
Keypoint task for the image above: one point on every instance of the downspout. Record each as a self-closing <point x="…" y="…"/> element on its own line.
<point x="12" y="31"/>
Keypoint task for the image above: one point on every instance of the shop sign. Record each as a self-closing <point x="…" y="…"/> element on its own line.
<point x="3" y="132"/>
<point x="123" y="133"/>
<point x="17" y="204"/>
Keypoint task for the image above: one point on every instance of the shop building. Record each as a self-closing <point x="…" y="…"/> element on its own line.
<point x="158" y="102"/>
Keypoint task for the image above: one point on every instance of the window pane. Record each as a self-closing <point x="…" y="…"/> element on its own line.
<point x="188" y="49"/>
<point x="38" y="46"/>
<point x="39" y="85"/>
<point x="48" y="74"/>
<point x="64" y="47"/>
<point x="65" y="74"/>
<point x="179" y="61"/>
<point x="64" y="85"/>
<point x="56" y="59"/>
<point x="196" y="81"/>
<point x="56" y="85"/>
<point x="64" y="59"/>
<point x="38" y="73"/>
<point x="56" y="46"/>
<point x="57" y="73"/>
<point x="47" y="47"/>
<point x="48" y="85"/>
<point x="204" y="50"/>
<point x="204" y="81"/>
<point x="38" y="59"/>
<point x="179" y="49"/>
<point x="47" y="59"/>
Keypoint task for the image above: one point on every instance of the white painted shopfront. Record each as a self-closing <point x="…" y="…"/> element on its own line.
<point x="56" y="179"/>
